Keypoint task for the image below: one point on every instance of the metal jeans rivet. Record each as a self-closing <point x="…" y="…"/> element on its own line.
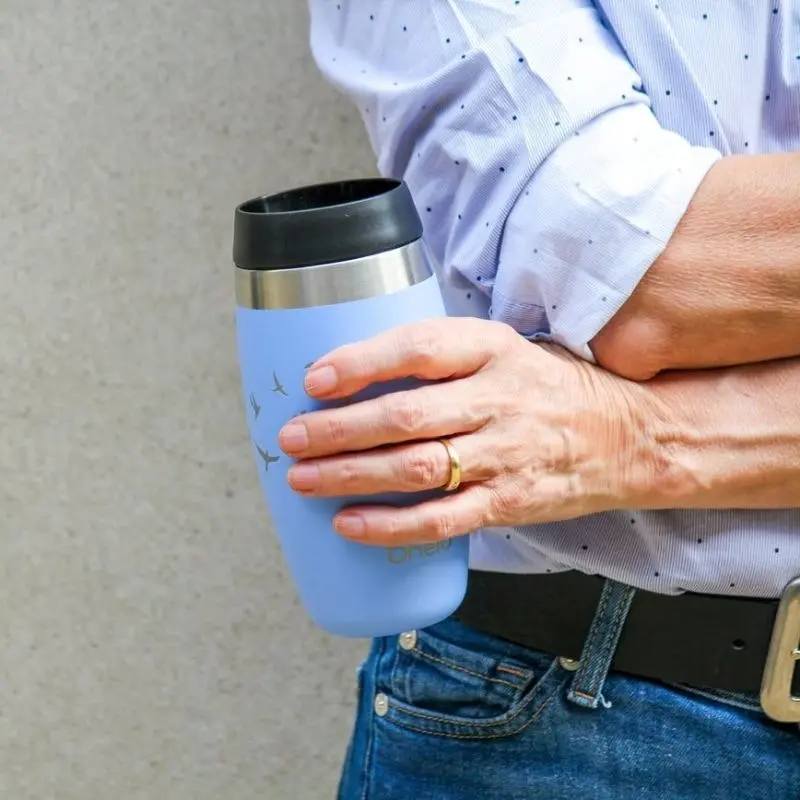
<point x="381" y="704"/>
<point x="569" y="664"/>
<point x="408" y="640"/>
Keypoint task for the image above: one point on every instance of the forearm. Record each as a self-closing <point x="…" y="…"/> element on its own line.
<point x="726" y="290"/>
<point x="727" y="438"/>
<point x="545" y="212"/>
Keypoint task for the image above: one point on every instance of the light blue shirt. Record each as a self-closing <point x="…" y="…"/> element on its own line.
<point x="552" y="147"/>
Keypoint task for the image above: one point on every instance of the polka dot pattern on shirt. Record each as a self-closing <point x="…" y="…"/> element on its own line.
<point x="545" y="255"/>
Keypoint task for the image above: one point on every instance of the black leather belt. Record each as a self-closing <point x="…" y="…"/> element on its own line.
<point x="732" y="643"/>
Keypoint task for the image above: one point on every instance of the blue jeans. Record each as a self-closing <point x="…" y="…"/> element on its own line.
<point x="449" y="713"/>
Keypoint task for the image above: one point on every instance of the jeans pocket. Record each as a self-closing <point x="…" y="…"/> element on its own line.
<point x="452" y="681"/>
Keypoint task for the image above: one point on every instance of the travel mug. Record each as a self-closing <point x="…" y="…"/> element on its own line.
<point x="318" y="267"/>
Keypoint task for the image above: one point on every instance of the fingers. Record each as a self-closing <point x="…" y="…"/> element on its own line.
<point x="431" y="350"/>
<point x="428" y="412"/>
<point x="408" y="468"/>
<point x="455" y="514"/>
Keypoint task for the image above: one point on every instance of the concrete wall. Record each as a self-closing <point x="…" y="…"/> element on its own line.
<point x="151" y="642"/>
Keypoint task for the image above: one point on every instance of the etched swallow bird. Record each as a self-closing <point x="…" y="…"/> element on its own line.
<point x="278" y="385"/>
<point x="255" y="406"/>
<point x="268" y="459"/>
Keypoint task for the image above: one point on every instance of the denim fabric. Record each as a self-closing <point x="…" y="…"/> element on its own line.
<point x="465" y="715"/>
<point x="601" y="644"/>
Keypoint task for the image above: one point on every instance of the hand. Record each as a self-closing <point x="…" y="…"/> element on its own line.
<point x="541" y="435"/>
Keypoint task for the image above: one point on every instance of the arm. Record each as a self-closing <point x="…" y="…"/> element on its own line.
<point x="727" y="288"/>
<point x="546" y="185"/>
<point x="698" y="439"/>
<point x="727" y="438"/>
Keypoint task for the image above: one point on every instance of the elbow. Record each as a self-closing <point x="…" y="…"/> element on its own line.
<point x="635" y="349"/>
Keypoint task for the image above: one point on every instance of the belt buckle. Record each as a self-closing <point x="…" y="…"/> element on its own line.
<point x="784" y="653"/>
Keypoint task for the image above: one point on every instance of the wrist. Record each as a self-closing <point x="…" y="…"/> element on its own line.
<point x="654" y="449"/>
<point x="717" y="439"/>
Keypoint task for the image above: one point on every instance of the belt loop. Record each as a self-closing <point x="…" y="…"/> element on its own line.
<point x="600" y="646"/>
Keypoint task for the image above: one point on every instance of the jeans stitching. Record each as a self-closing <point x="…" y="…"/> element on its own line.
<point x="370" y="743"/>
<point x="608" y="642"/>
<point x="458" y="667"/>
<point x="395" y="673"/>
<point x="595" y="631"/>
<point x="617" y="621"/>
<point x="601" y="641"/>
<point x="482" y="736"/>
<point x="477" y="723"/>
<point x="593" y="650"/>
<point x="514" y="671"/>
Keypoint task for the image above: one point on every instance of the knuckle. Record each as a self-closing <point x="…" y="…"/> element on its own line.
<point x="506" y="341"/>
<point x="510" y="336"/>
<point x="422" y="344"/>
<point x="417" y="469"/>
<point x="515" y="458"/>
<point x="348" y="475"/>
<point x="404" y="414"/>
<point x="507" y="503"/>
<point x="506" y="405"/>
<point x="336" y="430"/>
<point x="442" y="526"/>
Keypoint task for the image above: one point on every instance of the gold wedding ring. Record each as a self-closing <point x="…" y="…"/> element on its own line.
<point x="454" y="481"/>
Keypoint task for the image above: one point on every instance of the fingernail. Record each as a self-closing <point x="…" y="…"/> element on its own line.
<point x="303" y="477"/>
<point x="293" y="437"/>
<point x="320" y="380"/>
<point x="349" y="525"/>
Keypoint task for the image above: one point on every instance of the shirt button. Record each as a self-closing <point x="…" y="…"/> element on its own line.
<point x="408" y="640"/>
<point x="381" y="704"/>
<point x="569" y="664"/>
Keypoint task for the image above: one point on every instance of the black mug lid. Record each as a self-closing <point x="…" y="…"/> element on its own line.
<point x="324" y="223"/>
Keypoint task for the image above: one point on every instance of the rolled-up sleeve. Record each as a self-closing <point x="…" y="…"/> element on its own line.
<point x="543" y="178"/>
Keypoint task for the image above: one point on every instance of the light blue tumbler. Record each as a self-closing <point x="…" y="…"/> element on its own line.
<point x="318" y="267"/>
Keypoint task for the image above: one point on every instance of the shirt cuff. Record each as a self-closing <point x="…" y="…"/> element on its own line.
<point x="589" y="225"/>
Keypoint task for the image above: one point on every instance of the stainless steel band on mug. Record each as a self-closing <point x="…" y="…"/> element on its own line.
<point x="327" y="284"/>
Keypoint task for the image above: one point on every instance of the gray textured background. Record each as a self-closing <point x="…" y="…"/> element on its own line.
<point x="151" y="643"/>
